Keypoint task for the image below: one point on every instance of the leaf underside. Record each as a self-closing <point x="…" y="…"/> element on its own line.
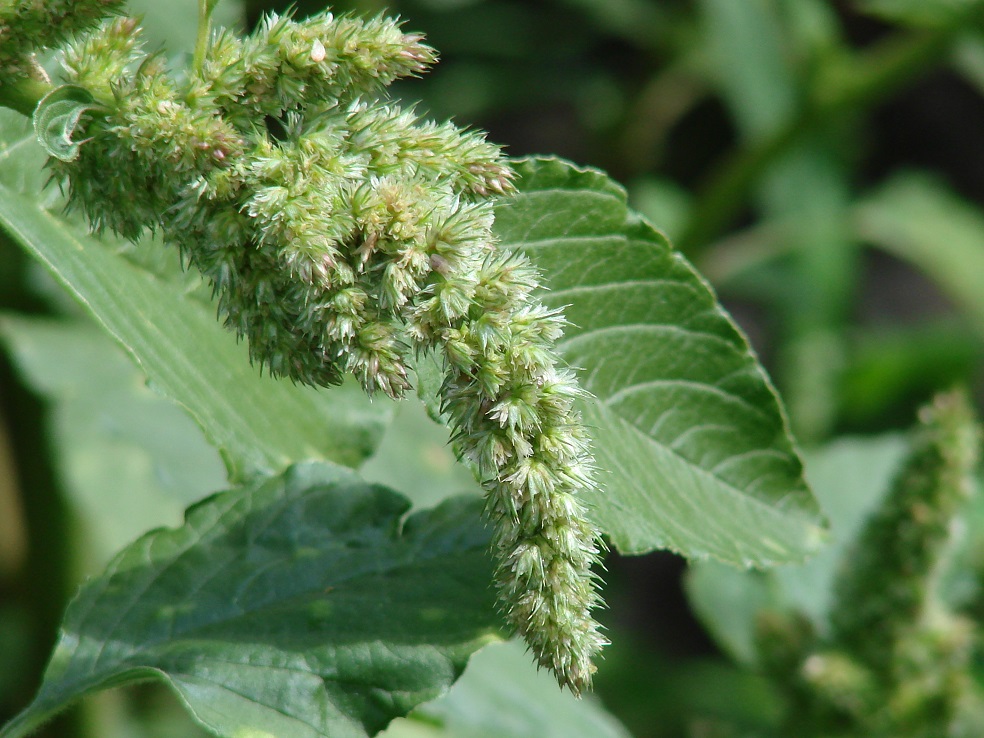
<point x="693" y="443"/>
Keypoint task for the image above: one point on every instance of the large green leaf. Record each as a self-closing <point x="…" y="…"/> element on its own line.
<point x="258" y="424"/>
<point x="688" y="431"/>
<point x="129" y="459"/>
<point x="503" y="695"/>
<point x="306" y="606"/>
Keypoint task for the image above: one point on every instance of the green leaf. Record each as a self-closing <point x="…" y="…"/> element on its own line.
<point x="918" y="218"/>
<point x="502" y="694"/>
<point x="302" y="606"/>
<point x="850" y="477"/>
<point x="416" y="458"/>
<point x="919" y="13"/>
<point x="744" y="43"/>
<point x="174" y="25"/>
<point x="57" y="116"/>
<point x="688" y="431"/>
<point x="259" y="425"/>
<point x="130" y="459"/>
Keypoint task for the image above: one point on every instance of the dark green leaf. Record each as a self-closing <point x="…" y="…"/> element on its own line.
<point x="56" y="118"/>
<point x="688" y="431"/>
<point x="303" y="606"/>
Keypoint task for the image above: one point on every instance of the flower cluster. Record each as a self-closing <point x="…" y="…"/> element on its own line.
<point x="29" y="26"/>
<point x="344" y="235"/>
<point x="896" y="659"/>
<point x="512" y="410"/>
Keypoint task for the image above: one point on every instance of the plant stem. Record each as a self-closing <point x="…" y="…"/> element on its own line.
<point x="24" y="94"/>
<point x="205" y="8"/>
<point x="869" y="79"/>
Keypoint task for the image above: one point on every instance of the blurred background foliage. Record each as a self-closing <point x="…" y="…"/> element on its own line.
<point x="822" y="163"/>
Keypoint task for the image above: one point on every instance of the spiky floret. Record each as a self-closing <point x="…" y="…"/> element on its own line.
<point x="512" y="411"/>
<point x="349" y="239"/>
<point x="288" y="65"/>
<point x="28" y="26"/>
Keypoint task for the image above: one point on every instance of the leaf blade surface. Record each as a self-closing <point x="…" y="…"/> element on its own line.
<point x="695" y="448"/>
<point x="304" y="605"/>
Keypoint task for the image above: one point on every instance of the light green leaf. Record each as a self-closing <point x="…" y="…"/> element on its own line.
<point x="415" y="457"/>
<point x="918" y="218"/>
<point x="850" y="477"/>
<point x="56" y="118"/>
<point x="688" y="431"/>
<point x="303" y="606"/>
<point x="258" y="424"/>
<point x="503" y="695"/>
<point x="130" y="459"/>
<point x="173" y="25"/>
<point x="744" y="41"/>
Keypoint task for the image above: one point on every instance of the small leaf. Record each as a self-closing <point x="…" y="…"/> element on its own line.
<point x="302" y="606"/>
<point x="693" y="444"/>
<point x="57" y="116"/>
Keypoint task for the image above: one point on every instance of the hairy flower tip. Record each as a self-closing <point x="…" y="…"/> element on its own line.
<point x="98" y="61"/>
<point x="27" y="26"/>
<point x="545" y="580"/>
<point x="512" y="410"/>
<point x="288" y="65"/>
